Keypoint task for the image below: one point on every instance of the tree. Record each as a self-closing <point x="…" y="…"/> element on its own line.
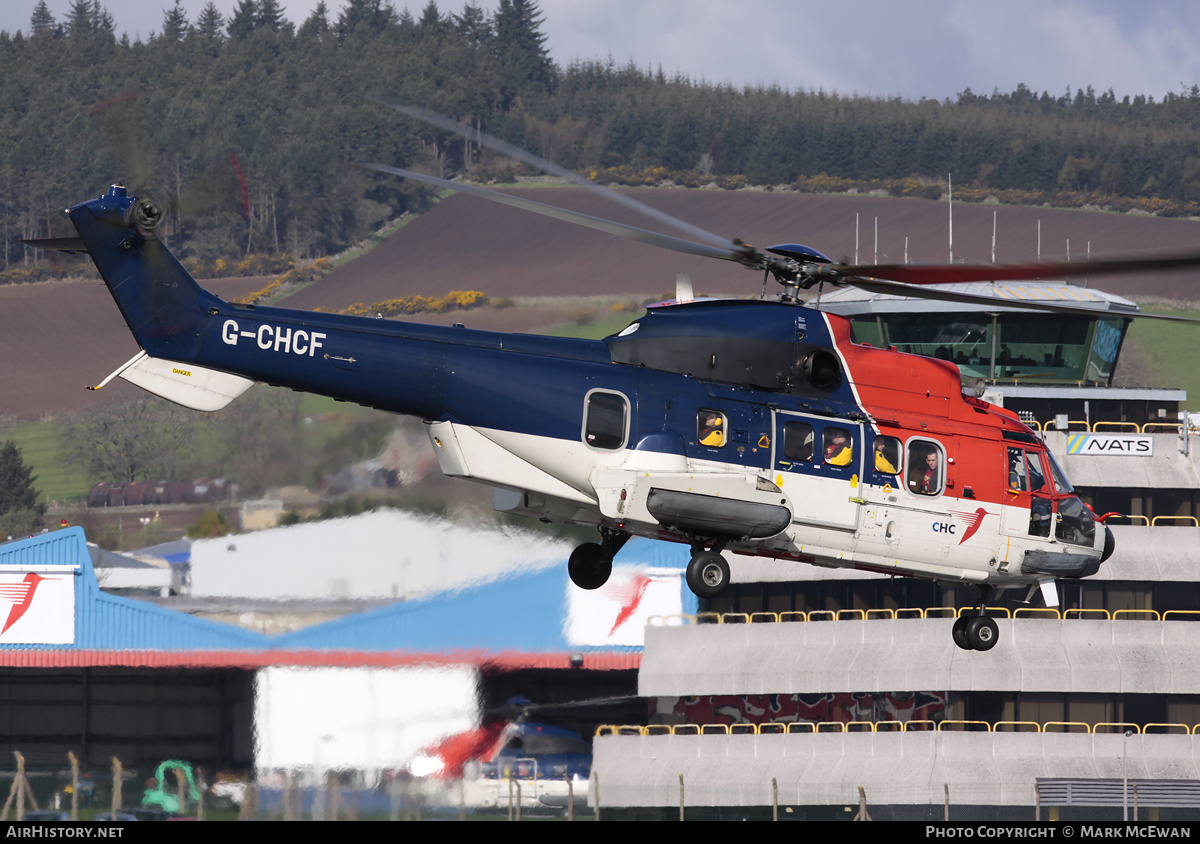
<point x="244" y="20"/>
<point x="175" y="23"/>
<point x="270" y="17"/>
<point x="130" y="442"/>
<point x="473" y="26"/>
<point x="20" y="511"/>
<point x="41" y="20"/>
<point x="521" y="48"/>
<point x="80" y="19"/>
<point x="317" y="24"/>
<point x="368" y="18"/>
<point x="210" y="24"/>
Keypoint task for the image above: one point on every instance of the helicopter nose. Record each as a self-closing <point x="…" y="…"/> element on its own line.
<point x="1110" y="544"/>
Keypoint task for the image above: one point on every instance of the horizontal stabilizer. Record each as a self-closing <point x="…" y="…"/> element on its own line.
<point x="185" y="383"/>
<point x="70" y="245"/>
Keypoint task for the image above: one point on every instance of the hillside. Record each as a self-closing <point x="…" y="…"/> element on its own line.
<point x="57" y="337"/>
<point x="469" y="244"/>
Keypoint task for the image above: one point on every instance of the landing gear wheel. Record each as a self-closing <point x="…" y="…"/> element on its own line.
<point x="960" y="632"/>
<point x="707" y="574"/>
<point x="589" y="566"/>
<point x="982" y="633"/>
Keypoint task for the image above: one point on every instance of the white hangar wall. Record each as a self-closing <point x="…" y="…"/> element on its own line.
<point x="385" y="554"/>
<point x="363" y="719"/>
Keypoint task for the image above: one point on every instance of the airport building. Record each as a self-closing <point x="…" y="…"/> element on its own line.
<point x="835" y="693"/>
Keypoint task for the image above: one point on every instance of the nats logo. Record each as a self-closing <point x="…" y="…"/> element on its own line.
<point x="973" y="520"/>
<point x="37" y="609"/>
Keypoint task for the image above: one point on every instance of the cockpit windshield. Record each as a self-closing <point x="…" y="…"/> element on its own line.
<point x="1061" y="485"/>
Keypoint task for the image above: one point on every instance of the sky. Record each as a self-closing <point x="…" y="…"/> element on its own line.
<point x="878" y="48"/>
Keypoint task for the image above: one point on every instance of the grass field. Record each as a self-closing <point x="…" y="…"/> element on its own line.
<point x="1168" y="351"/>
<point x="38" y="442"/>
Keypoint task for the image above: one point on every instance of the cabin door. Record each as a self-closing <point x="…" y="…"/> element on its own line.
<point x="818" y="461"/>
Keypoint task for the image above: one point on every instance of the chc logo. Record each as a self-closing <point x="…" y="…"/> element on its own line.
<point x="973" y="520"/>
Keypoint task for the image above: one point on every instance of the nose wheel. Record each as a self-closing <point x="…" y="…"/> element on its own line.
<point x="976" y="632"/>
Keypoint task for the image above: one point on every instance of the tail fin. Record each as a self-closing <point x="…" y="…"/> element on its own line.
<point x="161" y="302"/>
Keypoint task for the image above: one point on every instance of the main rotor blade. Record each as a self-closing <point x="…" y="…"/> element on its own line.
<point x="550" y="167"/>
<point x="912" y="291"/>
<point x="951" y="273"/>
<point x="745" y="256"/>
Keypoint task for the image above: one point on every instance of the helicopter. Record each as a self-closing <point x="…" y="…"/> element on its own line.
<point x="749" y="426"/>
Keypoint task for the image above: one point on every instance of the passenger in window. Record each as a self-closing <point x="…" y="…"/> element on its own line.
<point x="838" y="449"/>
<point x="924" y="476"/>
<point x="712" y="429"/>
<point x="882" y="464"/>
<point x="930" y="484"/>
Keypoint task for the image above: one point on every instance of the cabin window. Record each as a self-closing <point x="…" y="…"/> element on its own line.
<point x="798" y="442"/>
<point x="837" y="447"/>
<point x="605" y="420"/>
<point x="710" y="428"/>
<point x="926" y="468"/>
<point x="1024" y="471"/>
<point x="887" y="455"/>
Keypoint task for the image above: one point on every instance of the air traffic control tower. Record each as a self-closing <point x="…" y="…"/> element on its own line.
<point x="1038" y="364"/>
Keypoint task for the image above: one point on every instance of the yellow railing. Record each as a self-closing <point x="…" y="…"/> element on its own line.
<point x="920" y="725"/>
<point x="1192" y="520"/>
<point x="1016" y="727"/>
<point x="962" y="725"/>
<point x="1051" y="612"/>
<point x="684" y="619"/>
<point x="1003" y="612"/>
<point x="1172" y="427"/>
<point x="1119" y="426"/>
<point x="1081" y="612"/>
<point x="1078" y="425"/>
<point x="1144" y="519"/>
<point x="1125" y="613"/>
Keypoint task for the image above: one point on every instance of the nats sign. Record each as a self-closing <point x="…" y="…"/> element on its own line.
<point x="1135" y="445"/>
<point x="37" y="607"/>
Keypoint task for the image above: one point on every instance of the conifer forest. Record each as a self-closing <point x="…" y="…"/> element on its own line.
<point x="251" y="127"/>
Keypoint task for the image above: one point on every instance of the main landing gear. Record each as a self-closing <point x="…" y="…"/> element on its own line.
<point x="976" y="632"/>
<point x="590" y="564"/>
<point x="707" y="571"/>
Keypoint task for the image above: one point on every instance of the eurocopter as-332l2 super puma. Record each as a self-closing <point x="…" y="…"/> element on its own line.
<point x="746" y="426"/>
